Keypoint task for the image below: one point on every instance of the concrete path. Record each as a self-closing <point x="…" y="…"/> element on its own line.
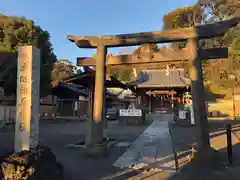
<point x="152" y="149"/>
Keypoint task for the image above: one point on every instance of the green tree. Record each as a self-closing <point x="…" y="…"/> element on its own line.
<point x="183" y="17"/>
<point x="217" y="72"/>
<point x="154" y="48"/>
<point x="62" y="69"/>
<point x="209" y="11"/>
<point x="122" y="73"/>
<point x="215" y="11"/>
<point x="18" y="31"/>
<point x="219" y="10"/>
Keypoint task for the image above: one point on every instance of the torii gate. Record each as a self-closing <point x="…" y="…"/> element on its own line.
<point x="193" y="54"/>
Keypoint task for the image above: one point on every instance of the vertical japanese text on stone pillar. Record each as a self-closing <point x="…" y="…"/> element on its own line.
<point x="26" y="132"/>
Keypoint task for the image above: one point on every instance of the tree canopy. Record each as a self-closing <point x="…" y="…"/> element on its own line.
<point x="208" y="11"/>
<point x="126" y="72"/>
<point x="183" y="17"/>
<point x="18" y="31"/>
<point x="154" y="48"/>
<point x="62" y="69"/>
<point x="122" y="73"/>
<point x="218" y="10"/>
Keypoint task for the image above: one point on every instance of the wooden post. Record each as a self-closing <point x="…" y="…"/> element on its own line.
<point x="53" y="112"/>
<point x="233" y="101"/>
<point x="27" y="108"/>
<point x="229" y="143"/>
<point x="198" y="99"/>
<point x="99" y="95"/>
<point x="172" y="101"/>
<point x="150" y="103"/>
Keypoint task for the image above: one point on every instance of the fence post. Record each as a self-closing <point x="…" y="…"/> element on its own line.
<point x="229" y="143"/>
<point x="1" y="117"/>
<point x="175" y="156"/>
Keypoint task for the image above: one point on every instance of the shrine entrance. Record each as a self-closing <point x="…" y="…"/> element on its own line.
<point x="193" y="54"/>
<point x="162" y="103"/>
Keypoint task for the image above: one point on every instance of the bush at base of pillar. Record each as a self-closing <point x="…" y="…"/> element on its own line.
<point x="37" y="164"/>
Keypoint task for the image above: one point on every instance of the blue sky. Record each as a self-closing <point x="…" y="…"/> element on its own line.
<point x="91" y="17"/>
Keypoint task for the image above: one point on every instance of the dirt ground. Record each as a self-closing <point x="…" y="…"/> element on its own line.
<point x="78" y="167"/>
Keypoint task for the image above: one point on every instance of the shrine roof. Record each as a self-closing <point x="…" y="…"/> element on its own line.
<point x="87" y="79"/>
<point x="73" y="91"/>
<point x="79" y="84"/>
<point x="165" y="79"/>
<point x="69" y="91"/>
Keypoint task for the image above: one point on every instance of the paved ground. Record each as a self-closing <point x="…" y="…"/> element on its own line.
<point x="183" y="139"/>
<point x="152" y="149"/>
<point x="77" y="166"/>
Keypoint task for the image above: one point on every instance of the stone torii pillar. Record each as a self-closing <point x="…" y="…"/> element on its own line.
<point x="97" y="123"/>
<point x="198" y="99"/>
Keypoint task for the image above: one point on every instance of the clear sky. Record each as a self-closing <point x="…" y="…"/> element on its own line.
<point x="91" y="17"/>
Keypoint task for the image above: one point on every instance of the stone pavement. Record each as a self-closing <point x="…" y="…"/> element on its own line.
<point x="77" y="166"/>
<point x="57" y="135"/>
<point x="152" y="149"/>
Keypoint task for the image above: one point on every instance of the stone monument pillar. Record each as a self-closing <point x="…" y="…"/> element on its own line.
<point x="27" y="106"/>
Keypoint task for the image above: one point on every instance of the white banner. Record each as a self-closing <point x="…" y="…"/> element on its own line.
<point x="130" y="112"/>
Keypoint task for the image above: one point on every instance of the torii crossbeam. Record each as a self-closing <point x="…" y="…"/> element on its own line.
<point x="174" y="35"/>
<point x="156" y="57"/>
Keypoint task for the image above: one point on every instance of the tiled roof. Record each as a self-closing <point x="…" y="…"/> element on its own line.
<point x="160" y="78"/>
<point x="74" y="90"/>
<point x="68" y="91"/>
<point x="88" y="77"/>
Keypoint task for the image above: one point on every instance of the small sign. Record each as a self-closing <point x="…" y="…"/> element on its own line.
<point x="182" y="114"/>
<point x="130" y="112"/>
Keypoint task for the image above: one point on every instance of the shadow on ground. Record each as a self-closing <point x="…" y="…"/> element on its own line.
<point x="78" y="166"/>
<point x="220" y="170"/>
<point x="183" y="138"/>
